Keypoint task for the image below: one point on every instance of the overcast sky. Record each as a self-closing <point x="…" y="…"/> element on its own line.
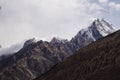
<point x="24" y="19"/>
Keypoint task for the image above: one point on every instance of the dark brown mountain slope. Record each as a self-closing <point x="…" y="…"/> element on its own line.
<point x="97" y="61"/>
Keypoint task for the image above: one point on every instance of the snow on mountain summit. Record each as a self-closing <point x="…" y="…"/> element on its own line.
<point x="96" y="29"/>
<point x="104" y="27"/>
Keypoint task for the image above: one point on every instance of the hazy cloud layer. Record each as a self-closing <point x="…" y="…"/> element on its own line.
<point x="11" y="49"/>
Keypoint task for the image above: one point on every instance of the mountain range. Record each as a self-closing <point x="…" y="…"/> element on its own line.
<point x="99" y="60"/>
<point x="38" y="57"/>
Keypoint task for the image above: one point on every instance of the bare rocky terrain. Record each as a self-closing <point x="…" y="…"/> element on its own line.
<point x="97" y="61"/>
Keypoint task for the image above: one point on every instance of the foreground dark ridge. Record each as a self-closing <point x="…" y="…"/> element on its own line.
<point x="97" y="61"/>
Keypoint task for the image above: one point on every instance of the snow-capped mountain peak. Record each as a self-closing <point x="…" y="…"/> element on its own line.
<point x="98" y="26"/>
<point x="103" y="27"/>
<point x="98" y="29"/>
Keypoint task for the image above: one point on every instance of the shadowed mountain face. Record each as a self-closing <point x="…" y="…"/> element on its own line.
<point x="36" y="58"/>
<point x="97" y="61"/>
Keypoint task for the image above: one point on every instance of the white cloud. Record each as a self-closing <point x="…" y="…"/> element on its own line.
<point x="114" y="5"/>
<point x="11" y="49"/>
<point x="103" y="1"/>
<point x="23" y="19"/>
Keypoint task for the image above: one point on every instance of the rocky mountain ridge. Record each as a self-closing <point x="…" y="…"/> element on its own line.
<point x="36" y="58"/>
<point x="98" y="61"/>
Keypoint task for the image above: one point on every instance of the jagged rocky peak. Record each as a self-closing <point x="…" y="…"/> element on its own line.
<point x="97" y="28"/>
<point x="103" y="27"/>
<point x="30" y="41"/>
<point x="58" y="40"/>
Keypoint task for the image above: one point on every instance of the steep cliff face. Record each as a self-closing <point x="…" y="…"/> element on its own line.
<point x="36" y="58"/>
<point x="97" y="61"/>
